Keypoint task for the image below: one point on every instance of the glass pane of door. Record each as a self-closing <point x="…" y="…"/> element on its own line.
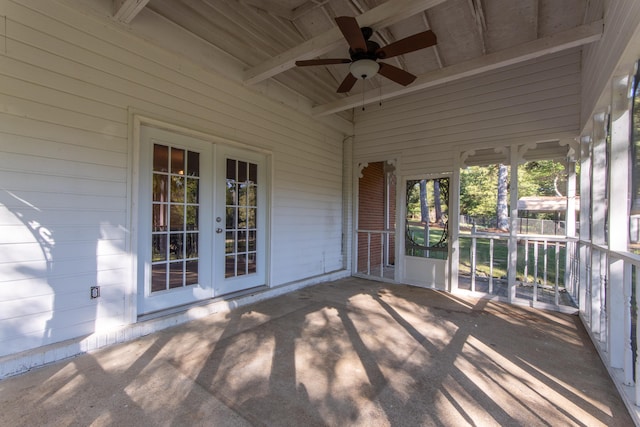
<point x="241" y="220"/>
<point x="175" y="205"/>
<point x="174" y="223"/>
<point x="241" y="207"/>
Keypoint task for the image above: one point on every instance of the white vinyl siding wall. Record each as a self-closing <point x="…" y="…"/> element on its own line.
<point x="67" y="82"/>
<point x="618" y="47"/>
<point x="532" y="101"/>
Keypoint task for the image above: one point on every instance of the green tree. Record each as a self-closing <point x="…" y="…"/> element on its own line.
<point x="479" y="185"/>
<point x="542" y="178"/>
<point x="478" y="191"/>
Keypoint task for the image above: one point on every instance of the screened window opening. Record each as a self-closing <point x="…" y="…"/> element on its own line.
<point x="426" y="224"/>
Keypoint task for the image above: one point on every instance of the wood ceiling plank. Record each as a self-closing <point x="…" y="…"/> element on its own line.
<point x="306" y="7"/>
<point x="240" y="21"/>
<point x="126" y="10"/>
<point x="271" y="7"/>
<point x="381" y="16"/>
<point x="203" y="27"/>
<point x="454" y="24"/>
<point x="510" y="23"/>
<point x="568" y="39"/>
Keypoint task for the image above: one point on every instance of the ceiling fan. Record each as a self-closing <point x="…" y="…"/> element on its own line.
<point x="365" y="53"/>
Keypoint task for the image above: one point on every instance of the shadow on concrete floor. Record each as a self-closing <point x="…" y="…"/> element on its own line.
<point x="350" y="352"/>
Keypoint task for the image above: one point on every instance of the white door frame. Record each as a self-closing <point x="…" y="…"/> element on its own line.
<point x="138" y="119"/>
<point x="358" y="165"/>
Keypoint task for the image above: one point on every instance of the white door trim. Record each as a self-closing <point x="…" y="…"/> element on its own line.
<point x="138" y="119"/>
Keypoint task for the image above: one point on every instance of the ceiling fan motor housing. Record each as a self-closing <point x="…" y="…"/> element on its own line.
<point x="369" y="54"/>
<point x="364" y="68"/>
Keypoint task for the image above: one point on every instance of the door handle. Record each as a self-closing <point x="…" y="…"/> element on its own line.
<point x="219" y="230"/>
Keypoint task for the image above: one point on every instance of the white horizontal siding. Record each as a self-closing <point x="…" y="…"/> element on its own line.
<point x="67" y="84"/>
<point x="526" y="102"/>
<point x="603" y="59"/>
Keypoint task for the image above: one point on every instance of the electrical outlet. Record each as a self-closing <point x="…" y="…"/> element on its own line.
<point x="95" y="292"/>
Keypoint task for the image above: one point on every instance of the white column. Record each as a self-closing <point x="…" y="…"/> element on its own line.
<point x="570" y="215"/>
<point x="454" y="224"/>
<point x="585" y="224"/>
<point x="618" y="211"/>
<point x="570" y="225"/>
<point x="598" y="210"/>
<point x="347" y="202"/>
<point x="513" y="224"/>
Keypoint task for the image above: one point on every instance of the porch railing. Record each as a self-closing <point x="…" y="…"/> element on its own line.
<point x="609" y="296"/>
<point x="547" y="267"/>
<point x="375" y="253"/>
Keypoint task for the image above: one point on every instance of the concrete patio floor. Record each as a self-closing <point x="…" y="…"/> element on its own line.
<point x="350" y="352"/>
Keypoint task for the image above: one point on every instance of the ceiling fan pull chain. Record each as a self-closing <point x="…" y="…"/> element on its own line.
<point x="363" y="83"/>
<point x="380" y="87"/>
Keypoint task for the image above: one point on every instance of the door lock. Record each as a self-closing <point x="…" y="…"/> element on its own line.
<point x="219" y="230"/>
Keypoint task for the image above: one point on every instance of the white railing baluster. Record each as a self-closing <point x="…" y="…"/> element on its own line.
<point x="588" y="301"/>
<point x="637" y="289"/>
<point x="385" y="243"/>
<point x="491" y="265"/>
<point x="556" y="296"/>
<point x="628" y="354"/>
<point x="544" y="262"/>
<point x="382" y="249"/>
<point x="526" y="261"/>
<point x="535" y="271"/>
<point x="473" y="264"/>
<point x="368" y="254"/>
<point x="604" y="276"/>
<point x="538" y="268"/>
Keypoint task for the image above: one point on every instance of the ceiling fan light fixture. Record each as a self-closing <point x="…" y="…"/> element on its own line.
<point x="364" y="68"/>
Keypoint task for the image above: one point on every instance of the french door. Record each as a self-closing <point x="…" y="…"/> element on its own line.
<point x="202" y="220"/>
<point x="240" y="220"/>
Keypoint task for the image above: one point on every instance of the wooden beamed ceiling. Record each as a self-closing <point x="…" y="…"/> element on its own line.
<point x="474" y="36"/>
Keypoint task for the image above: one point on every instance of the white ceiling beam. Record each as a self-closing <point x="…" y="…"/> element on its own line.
<point x="435" y="48"/>
<point x="125" y="10"/>
<point x="384" y="15"/>
<point x="555" y="43"/>
<point x="481" y="25"/>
